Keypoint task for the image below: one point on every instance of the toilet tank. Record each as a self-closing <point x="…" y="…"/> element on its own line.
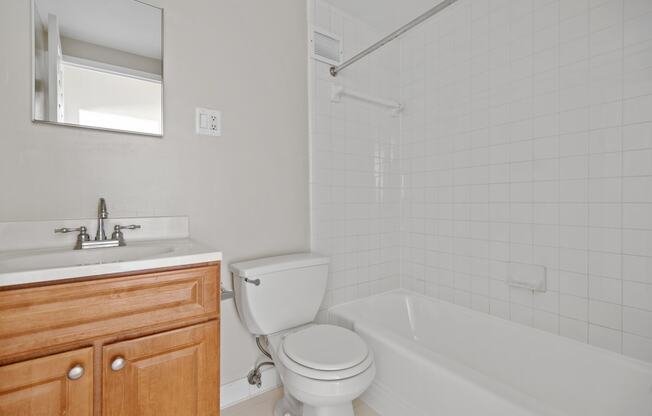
<point x="277" y="293"/>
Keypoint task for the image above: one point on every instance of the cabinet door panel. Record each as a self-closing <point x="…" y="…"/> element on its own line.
<point x="41" y="387"/>
<point x="174" y="373"/>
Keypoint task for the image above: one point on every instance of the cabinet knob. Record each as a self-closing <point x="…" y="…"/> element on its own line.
<point x="76" y="372"/>
<point x="118" y="363"/>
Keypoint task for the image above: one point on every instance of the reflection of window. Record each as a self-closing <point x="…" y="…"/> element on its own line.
<point x="115" y="121"/>
<point x="104" y="98"/>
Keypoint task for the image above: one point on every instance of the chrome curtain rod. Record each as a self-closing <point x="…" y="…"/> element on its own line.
<point x="441" y="6"/>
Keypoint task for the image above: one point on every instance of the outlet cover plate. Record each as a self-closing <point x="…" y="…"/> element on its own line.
<point x="208" y="122"/>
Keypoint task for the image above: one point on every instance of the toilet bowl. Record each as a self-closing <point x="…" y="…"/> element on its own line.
<point x="323" y="367"/>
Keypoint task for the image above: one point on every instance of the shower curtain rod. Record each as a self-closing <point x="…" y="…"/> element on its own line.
<point x="441" y="6"/>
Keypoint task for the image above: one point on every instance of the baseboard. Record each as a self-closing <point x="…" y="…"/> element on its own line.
<point x="240" y="390"/>
<point x="384" y="402"/>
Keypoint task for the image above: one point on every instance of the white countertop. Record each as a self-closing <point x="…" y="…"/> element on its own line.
<point x="50" y="264"/>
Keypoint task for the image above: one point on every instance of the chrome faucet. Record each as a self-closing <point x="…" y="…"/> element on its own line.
<point x="101" y="240"/>
<point x="102" y="214"/>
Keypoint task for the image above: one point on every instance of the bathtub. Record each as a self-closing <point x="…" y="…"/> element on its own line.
<point x="437" y="358"/>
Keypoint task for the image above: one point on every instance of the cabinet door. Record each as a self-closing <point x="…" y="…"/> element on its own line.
<point x="174" y="373"/>
<point x="60" y="384"/>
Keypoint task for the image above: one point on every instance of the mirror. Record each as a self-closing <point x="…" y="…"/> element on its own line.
<point x="98" y="64"/>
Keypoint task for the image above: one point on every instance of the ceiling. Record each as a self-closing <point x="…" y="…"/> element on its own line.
<point x="385" y="15"/>
<point x="125" y="25"/>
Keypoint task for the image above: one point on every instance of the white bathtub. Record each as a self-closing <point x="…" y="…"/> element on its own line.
<point x="436" y="358"/>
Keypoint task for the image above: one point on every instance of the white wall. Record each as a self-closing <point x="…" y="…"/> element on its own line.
<point x="527" y="137"/>
<point x="355" y="181"/>
<point x="245" y="193"/>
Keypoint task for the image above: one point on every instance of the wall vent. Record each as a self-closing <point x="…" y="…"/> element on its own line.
<point x="326" y="47"/>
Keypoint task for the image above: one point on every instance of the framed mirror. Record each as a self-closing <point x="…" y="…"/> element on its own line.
<point x="98" y="64"/>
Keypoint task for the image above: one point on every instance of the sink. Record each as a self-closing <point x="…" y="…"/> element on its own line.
<point x="68" y="258"/>
<point x="42" y="265"/>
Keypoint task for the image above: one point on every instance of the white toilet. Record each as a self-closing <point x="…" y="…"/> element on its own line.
<point x="323" y="367"/>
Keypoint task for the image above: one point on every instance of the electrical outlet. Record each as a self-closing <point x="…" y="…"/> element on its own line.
<point x="208" y="122"/>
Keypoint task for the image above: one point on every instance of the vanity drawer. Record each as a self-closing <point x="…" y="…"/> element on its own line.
<point x="69" y="314"/>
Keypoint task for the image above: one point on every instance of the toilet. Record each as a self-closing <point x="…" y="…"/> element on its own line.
<point x="323" y="367"/>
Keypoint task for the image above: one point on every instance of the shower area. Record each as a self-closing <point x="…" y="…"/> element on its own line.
<point x="494" y="154"/>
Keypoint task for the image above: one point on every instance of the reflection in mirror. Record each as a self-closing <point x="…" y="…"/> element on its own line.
<point x="98" y="64"/>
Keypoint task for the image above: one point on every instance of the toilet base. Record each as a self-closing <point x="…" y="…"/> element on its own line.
<point x="289" y="406"/>
<point x="345" y="409"/>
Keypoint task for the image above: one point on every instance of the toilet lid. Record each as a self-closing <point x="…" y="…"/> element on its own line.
<point x="325" y="347"/>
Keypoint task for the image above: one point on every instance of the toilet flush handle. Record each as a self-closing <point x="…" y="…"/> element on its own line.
<point x="255" y="282"/>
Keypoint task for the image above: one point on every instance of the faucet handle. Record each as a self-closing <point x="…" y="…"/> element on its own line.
<point x="81" y="237"/>
<point x="118" y="235"/>
<point x="126" y="227"/>
<point x="65" y="230"/>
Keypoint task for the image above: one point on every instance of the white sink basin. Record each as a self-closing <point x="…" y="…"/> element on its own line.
<point x="69" y="258"/>
<point x="41" y="265"/>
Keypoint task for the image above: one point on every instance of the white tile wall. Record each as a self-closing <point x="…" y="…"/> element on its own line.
<point x="355" y="176"/>
<point x="527" y="137"/>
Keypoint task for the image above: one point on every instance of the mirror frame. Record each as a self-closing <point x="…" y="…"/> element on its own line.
<point x="33" y="80"/>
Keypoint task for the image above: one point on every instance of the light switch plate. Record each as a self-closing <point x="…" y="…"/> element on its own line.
<point x="208" y="122"/>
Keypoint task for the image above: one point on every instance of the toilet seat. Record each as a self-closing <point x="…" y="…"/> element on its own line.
<point x="325" y="352"/>
<point x="325" y="347"/>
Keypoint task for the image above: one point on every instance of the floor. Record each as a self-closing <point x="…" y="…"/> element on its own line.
<point x="263" y="405"/>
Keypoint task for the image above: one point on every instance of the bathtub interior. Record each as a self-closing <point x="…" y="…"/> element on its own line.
<point x="562" y="373"/>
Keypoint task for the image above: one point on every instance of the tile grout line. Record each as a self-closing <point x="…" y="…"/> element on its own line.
<point x="622" y="196"/>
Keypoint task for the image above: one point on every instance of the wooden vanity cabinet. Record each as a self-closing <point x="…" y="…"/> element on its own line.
<point x="128" y="345"/>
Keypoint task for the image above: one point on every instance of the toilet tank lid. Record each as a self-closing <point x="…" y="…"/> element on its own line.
<point x="267" y="265"/>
